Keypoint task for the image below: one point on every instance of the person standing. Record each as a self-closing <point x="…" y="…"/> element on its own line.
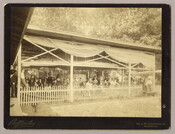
<point x="23" y="78"/>
<point x="13" y="83"/>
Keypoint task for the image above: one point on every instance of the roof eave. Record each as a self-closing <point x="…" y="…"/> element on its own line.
<point x="85" y="39"/>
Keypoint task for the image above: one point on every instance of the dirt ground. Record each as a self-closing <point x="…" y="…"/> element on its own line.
<point x="142" y="106"/>
<point x="147" y="106"/>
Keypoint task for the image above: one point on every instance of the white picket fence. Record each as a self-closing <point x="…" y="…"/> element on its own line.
<point x="36" y="95"/>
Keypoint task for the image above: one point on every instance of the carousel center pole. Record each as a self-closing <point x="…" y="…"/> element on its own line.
<point x="19" y="73"/>
<point x="71" y="79"/>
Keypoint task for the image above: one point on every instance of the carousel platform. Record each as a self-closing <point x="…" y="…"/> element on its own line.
<point x="15" y="108"/>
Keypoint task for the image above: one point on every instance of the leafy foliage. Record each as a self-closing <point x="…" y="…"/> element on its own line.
<point x="133" y="25"/>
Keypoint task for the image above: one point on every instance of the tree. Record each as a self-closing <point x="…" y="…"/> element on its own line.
<point x="133" y="25"/>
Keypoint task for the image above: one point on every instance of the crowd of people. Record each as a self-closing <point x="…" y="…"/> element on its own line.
<point x="101" y="82"/>
<point x="49" y="78"/>
<point x="31" y="80"/>
<point x="99" y="79"/>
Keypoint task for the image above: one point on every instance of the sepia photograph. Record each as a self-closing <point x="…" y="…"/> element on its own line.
<point x="85" y="62"/>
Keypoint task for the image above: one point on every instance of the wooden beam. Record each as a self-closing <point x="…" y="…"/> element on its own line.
<point x="19" y="73"/>
<point x="154" y="76"/>
<point x="15" y="58"/>
<point x="134" y="65"/>
<point x="112" y="60"/>
<point x="129" y="80"/>
<point x="79" y="63"/>
<point x="18" y="19"/>
<point x="24" y="29"/>
<point x="71" y="79"/>
<point x="95" y="66"/>
<point x="46" y="50"/>
<point x="39" y="55"/>
<point x="144" y="69"/>
<point x="122" y="76"/>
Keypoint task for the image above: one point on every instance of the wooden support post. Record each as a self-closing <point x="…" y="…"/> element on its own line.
<point x="154" y="78"/>
<point x="19" y="73"/>
<point x="71" y="79"/>
<point x="88" y="75"/>
<point x="122" y="76"/>
<point x="129" y="80"/>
